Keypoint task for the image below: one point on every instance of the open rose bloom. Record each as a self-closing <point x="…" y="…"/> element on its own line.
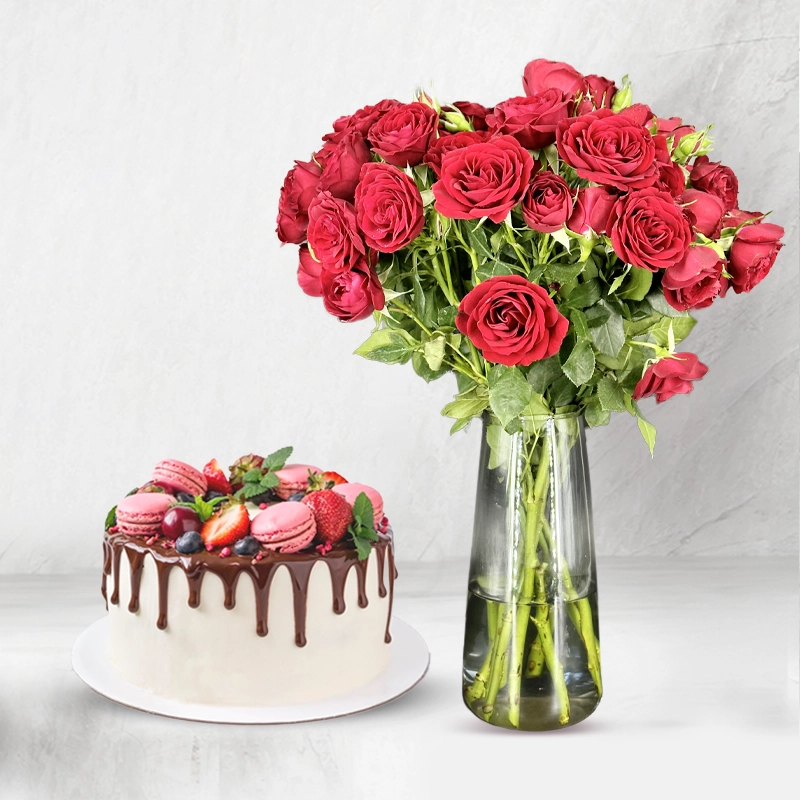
<point x="548" y="249"/>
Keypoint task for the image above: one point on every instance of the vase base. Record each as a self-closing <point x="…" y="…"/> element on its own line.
<point x="537" y="713"/>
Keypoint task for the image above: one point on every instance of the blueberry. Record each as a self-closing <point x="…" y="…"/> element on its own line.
<point x="264" y="497"/>
<point x="248" y="546"/>
<point x="211" y="495"/>
<point x="184" y="497"/>
<point x="190" y="542"/>
<point x="297" y="496"/>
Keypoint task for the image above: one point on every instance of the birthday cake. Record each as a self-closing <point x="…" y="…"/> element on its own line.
<point x="270" y="585"/>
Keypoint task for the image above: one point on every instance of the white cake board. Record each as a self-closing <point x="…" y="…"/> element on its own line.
<point x="407" y="667"/>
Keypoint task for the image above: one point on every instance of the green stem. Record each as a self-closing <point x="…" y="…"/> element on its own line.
<point x="478" y="688"/>
<point x="580" y="611"/>
<point x="496" y="669"/>
<point x="446" y="261"/>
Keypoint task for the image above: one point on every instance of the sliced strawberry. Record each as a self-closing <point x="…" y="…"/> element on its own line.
<point x="324" y="480"/>
<point x="216" y="478"/>
<point x="333" y="514"/>
<point x="226" y="526"/>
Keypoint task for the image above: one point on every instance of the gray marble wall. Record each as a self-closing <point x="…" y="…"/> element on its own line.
<point x="148" y="311"/>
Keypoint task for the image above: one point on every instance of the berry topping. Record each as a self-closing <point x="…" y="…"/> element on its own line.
<point x="324" y="480"/>
<point x="184" y="497"/>
<point x="155" y="486"/>
<point x="216" y="478"/>
<point x="332" y="514"/>
<point x="241" y="467"/>
<point x="179" y="520"/>
<point x="190" y="542"/>
<point x="226" y="526"/>
<point x="212" y="495"/>
<point x="296" y="496"/>
<point x="247" y="546"/>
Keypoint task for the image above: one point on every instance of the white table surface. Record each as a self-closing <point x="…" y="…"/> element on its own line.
<point x="701" y="701"/>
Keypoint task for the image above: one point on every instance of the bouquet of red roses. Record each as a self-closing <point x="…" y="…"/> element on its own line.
<point x="562" y="235"/>
<point x="547" y="251"/>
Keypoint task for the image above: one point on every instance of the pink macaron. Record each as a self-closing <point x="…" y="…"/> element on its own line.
<point x="180" y="477"/>
<point x="293" y="478"/>
<point x="141" y="514"/>
<point x="352" y="490"/>
<point x="285" y="527"/>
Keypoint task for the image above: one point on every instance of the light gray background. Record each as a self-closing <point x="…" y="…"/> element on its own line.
<point x="147" y="310"/>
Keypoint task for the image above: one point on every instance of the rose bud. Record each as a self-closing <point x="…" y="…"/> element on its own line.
<point x="695" y="281"/>
<point x="343" y="164"/>
<point x="670" y="376"/>
<point x="547" y="203"/>
<point x="353" y="295"/>
<point x="299" y="189"/>
<point x="542" y="74"/>
<point x="753" y="253"/>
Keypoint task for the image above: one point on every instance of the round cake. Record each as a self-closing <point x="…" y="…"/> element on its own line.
<point x="270" y="585"/>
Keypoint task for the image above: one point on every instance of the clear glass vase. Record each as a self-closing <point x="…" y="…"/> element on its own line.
<point x="531" y="644"/>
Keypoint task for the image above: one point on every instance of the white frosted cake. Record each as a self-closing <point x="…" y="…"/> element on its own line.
<point x="271" y="606"/>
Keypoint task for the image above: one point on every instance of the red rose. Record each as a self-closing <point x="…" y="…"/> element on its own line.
<point x="542" y="74"/>
<point x="648" y="230"/>
<point x="486" y="179"/>
<point x="592" y="210"/>
<point x="333" y="233"/>
<point x="714" y="178"/>
<point x="753" y="253"/>
<point x="638" y="114"/>
<point x="598" y="92"/>
<point x="308" y="273"/>
<point x="704" y="210"/>
<point x="512" y="321"/>
<point x="361" y="121"/>
<point x="403" y="135"/>
<point x="388" y="207"/>
<point x="673" y="127"/>
<point x="475" y="113"/>
<point x="735" y="217"/>
<point x="299" y="189"/>
<point x="343" y="166"/>
<point x="352" y="295"/>
<point x="447" y="142"/>
<point x="671" y="178"/>
<point x="695" y="281"/>
<point x="532" y="121"/>
<point x="547" y="203"/>
<point x="670" y="376"/>
<point x="604" y="147"/>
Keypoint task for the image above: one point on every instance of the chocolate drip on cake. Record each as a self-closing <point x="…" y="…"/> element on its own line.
<point x="339" y="560"/>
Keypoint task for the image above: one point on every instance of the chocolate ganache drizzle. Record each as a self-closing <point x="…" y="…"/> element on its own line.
<point x="340" y="560"/>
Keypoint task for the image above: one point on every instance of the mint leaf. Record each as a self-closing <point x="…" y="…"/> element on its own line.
<point x="251" y="490"/>
<point x="111" y="518"/>
<point x="278" y="459"/>
<point x="363" y="513"/>
<point x="268" y="481"/>
<point x="252" y="475"/>
<point x="363" y="548"/>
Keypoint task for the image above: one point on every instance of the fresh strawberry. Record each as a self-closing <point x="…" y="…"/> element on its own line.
<point x="332" y="513"/>
<point x="242" y="466"/>
<point x="324" y="480"/>
<point x="226" y="526"/>
<point x="216" y="478"/>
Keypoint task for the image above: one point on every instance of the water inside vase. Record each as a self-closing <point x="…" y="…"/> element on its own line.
<point x="532" y="666"/>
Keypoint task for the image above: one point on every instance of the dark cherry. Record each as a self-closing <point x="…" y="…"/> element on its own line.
<point x="179" y="520"/>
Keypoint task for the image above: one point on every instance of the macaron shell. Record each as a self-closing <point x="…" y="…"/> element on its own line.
<point x="180" y="476"/>
<point x="350" y="491"/>
<point x="295" y="545"/>
<point x="282" y="522"/>
<point x="293" y="478"/>
<point x="141" y="514"/>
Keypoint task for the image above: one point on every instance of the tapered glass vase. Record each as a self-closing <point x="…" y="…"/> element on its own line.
<point x="531" y="644"/>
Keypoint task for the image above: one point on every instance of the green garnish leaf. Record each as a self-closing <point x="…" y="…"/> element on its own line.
<point x="111" y="518"/>
<point x="363" y="548"/>
<point x="250" y="490"/>
<point x="278" y="459"/>
<point x="362" y="528"/>
<point x="269" y="481"/>
<point x="252" y="475"/>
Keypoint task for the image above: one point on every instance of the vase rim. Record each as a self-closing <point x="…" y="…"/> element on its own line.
<point x="538" y="417"/>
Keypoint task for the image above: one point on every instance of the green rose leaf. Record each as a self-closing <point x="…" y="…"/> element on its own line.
<point x="562" y="392"/>
<point x="422" y="369"/>
<point x="499" y="445"/>
<point x="595" y="414"/>
<point x="605" y="326"/>
<point x="658" y="303"/>
<point x="681" y="327"/>
<point x="434" y="352"/>
<point x="637" y="284"/>
<point x="389" y="346"/>
<point x="648" y="432"/>
<point x="509" y="393"/>
<point x="585" y="294"/>
<point x="579" y="367"/>
<point x="610" y="395"/>
<point x="479" y="242"/>
<point x="580" y="324"/>
<point x="563" y="273"/>
<point x="492" y="268"/>
<point x="542" y="373"/>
